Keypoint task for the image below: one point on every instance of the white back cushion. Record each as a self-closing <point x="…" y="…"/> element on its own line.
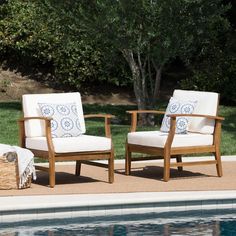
<point x="36" y="128"/>
<point x="207" y="104"/>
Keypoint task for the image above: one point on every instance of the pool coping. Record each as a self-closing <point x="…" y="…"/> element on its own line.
<point x="21" y="208"/>
<point x="80" y="200"/>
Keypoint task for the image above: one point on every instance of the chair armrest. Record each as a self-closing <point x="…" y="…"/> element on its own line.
<point x="35" y="118"/>
<point x="217" y="130"/>
<point x="107" y="118"/>
<point x="146" y="111"/>
<point x="219" y="118"/>
<point x="134" y="114"/>
<point x="47" y="121"/>
<point x="99" y="116"/>
<point x="48" y="134"/>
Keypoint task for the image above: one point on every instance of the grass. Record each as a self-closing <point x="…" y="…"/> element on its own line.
<point x="10" y="112"/>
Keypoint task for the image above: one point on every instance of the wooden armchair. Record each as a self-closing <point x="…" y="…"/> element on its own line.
<point x="51" y="133"/>
<point x="203" y="135"/>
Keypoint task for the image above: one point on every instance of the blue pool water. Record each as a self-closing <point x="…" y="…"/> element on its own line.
<point x="188" y="223"/>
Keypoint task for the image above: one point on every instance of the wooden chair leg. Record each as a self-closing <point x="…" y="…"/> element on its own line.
<point x="179" y="160"/>
<point x="127" y="160"/>
<point x="52" y="175"/>
<point x="219" y="164"/>
<point x="78" y="168"/>
<point x="166" y="176"/>
<point x="111" y="168"/>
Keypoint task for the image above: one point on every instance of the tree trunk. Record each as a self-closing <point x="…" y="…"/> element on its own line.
<point x="156" y="91"/>
<point x="137" y="81"/>
<point x="138" y="69"/>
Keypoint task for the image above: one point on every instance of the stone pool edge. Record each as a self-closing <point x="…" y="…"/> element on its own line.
<point x="23" y="208"/>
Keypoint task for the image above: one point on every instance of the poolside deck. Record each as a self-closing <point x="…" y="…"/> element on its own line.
<point x="145" y="177"/>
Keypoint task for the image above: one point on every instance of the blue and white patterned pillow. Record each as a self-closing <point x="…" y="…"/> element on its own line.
<point x="65" y="121"/>
<point x="178" y="107"/>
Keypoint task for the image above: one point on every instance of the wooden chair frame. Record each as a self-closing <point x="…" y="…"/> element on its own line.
<point x="168" y="152"/>
<point x="79" y="157"/>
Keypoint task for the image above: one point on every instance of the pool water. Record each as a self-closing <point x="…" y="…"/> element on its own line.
<point x="188" y="223"/>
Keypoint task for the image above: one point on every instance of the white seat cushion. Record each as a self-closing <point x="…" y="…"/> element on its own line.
<point x="158" y="139"/>
<point x="83" y="143"/>
<point x="207" y="104"/>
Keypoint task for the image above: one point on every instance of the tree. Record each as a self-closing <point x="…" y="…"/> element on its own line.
<point x="75" y="36"/>
<point x="149" y="33"/>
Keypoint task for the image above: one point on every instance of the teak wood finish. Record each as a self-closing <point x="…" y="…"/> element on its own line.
<point x="168" y="152"/>
<point x="79" y="157"/>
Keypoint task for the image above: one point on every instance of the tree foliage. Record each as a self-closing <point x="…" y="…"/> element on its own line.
<point x="215" y="69"/>
<point x="43" y="31"/>
<point x="121" y="41"/>
<point x="149" y="33"/>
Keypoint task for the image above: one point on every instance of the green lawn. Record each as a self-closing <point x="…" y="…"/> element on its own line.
<point x="10" y="112"/>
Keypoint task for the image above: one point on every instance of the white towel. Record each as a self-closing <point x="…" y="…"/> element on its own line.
<point x="25" y="162"/>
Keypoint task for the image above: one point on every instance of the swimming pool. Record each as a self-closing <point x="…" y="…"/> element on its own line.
<point x="220" y="223"/>
<point x="149" y="213"/>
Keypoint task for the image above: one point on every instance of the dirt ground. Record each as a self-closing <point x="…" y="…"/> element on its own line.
<point x="13" y="84"/>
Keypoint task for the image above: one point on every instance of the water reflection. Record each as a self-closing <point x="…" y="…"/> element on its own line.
<point x="215" y="228"/>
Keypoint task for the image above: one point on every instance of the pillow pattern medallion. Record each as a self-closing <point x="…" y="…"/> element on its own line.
<point x="65" y="121"/>
<point x="178" y="107"/>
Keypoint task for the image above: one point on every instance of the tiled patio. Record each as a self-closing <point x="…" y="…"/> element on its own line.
<point x="145" y="177"/>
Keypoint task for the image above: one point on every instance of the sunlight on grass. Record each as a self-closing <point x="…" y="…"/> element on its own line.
<point x="228" y="141"/>
<point x="10" y="112"/>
